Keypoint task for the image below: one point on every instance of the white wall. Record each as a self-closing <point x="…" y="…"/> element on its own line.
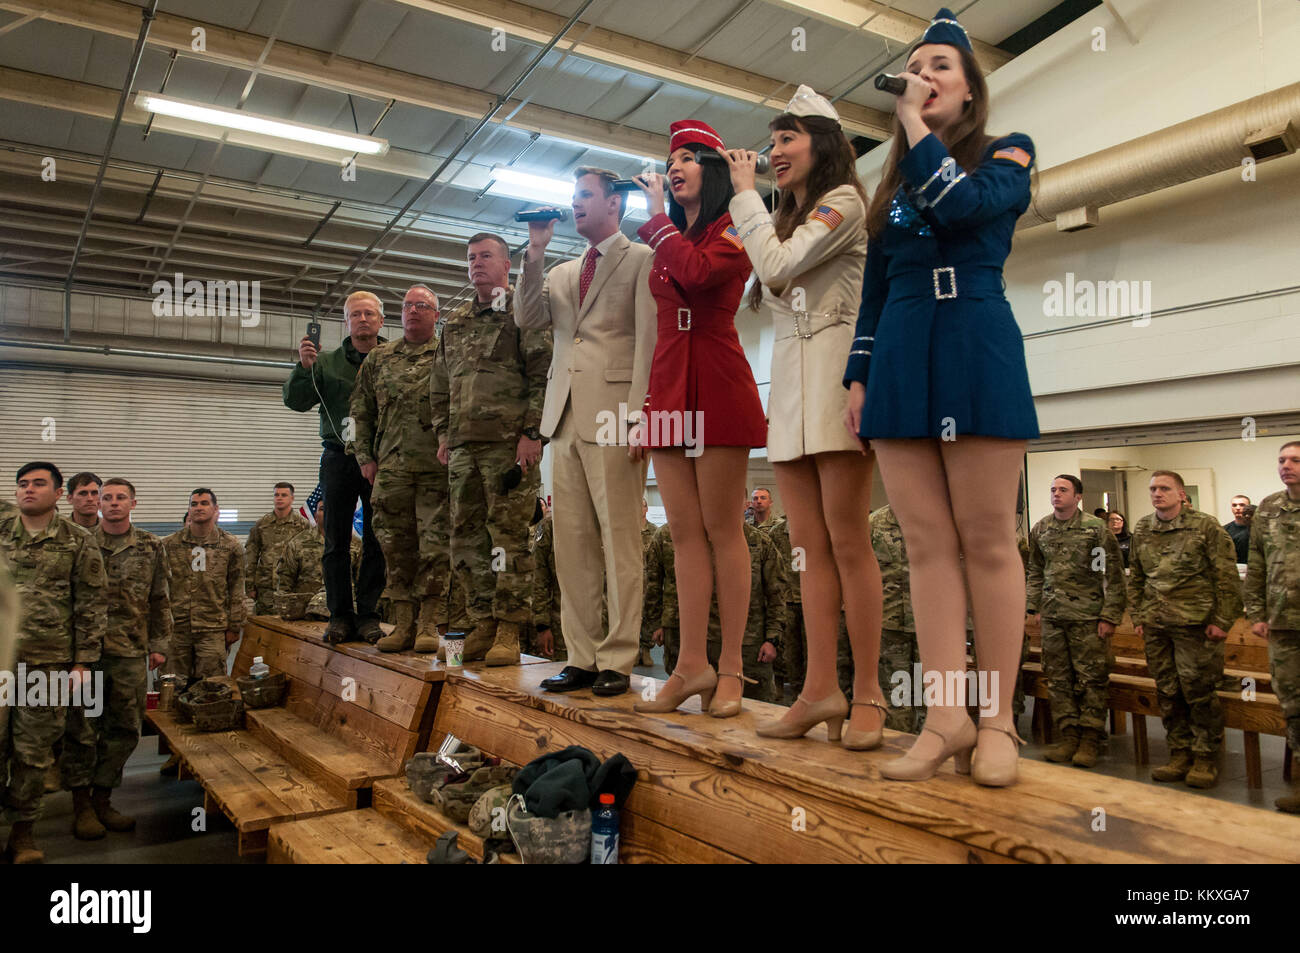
<point x="1233" y="467"/>
<point x="1200" y="242"/>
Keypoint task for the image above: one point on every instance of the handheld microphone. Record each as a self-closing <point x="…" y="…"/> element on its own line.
<point x="894" y="85"/>
<point x="624" y="185"/>
<point x="761" y="165"/>
<point x="543" y="215"/>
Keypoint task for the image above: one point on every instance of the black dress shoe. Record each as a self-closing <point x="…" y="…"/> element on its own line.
<point x="570" y="679"/>
<point x="339" y="630"/>
<point x="368" y="630"/>
<point x="609" y="683"/>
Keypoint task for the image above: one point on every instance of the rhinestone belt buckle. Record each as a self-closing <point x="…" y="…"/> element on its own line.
<point x="799" y="327"/>
<point x="952" y="281"/>
<point x="686" y="313"/>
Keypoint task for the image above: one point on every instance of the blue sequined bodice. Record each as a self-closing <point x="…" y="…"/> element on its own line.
<point x="903" y="215"/>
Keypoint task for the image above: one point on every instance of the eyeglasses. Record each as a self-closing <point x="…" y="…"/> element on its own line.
<point x="423" y="307"/>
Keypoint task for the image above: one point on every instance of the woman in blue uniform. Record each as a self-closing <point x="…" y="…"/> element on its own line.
<point x="938" y="384"/>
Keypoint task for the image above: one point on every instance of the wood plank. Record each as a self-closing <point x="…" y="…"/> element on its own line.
<point x="390" y="695"/>
<point x="308" y="748"/>
<point x="394" y="800"/>
<point x="1047" y="816"/>
<point x="643" y="841"/>
<point x="353" y="837"/>
<point x="355" y="726"/>
<point x="424" y="667"/>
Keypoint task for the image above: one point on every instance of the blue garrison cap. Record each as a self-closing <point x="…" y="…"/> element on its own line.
<point x="944" y="28"/>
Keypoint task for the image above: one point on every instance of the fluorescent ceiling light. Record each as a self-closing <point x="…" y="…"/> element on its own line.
<point x="248" y="122"/>
<point x="540" y="188"/>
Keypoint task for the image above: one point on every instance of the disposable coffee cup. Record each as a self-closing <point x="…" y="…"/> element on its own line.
<point x="454" y="649"/>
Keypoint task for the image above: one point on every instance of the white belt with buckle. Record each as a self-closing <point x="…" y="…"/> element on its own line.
<point x="683" y="313"/>
<point x="952" y="281"/>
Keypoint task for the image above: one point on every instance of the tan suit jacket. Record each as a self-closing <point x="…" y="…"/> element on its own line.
<point x="604" y="346"/>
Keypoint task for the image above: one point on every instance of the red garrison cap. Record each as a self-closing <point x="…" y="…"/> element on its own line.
<point x="687" y="132"/>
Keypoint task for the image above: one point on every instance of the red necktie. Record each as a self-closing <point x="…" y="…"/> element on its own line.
<point x="588" y="272"/>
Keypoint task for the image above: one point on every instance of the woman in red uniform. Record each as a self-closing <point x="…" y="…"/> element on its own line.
<point x="702" y="412"/>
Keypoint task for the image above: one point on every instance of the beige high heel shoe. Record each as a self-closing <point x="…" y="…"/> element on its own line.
<point x="996" y="771"/>
<point x="913" y="768"/>
<point x="867" y="740"/>
<point x="732" y="708"/>
<point x="832" y="709"/>
<point x="702" y="684"/>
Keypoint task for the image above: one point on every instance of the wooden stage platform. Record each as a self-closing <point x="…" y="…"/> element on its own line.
<point x="712" y="791"/>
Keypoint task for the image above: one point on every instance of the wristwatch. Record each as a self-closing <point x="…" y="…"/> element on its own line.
<point x="532" y="433"/>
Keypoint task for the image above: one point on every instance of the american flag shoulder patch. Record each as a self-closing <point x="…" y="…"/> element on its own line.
<point x="827" y="216"/>
<point x="733" y="236"/>
<point x="1015" y="154"/>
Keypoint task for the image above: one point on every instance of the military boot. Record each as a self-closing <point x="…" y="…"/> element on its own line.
<point x="479" y="639"/>
<point x="1289" y="804"/>
<point x="1089" y="748"/>
<point x="505" y="649"/>
<point x="403" y="635"/>
<point x="85" y="825"/>
<point x="426" y="639"/>
<point x="112" y="819"/>
<point x="1204" y="773"/>
<point x="1180" y="762"/>
<point x="22" y="848"/>
<point x="53" y="778"/>
<point x="1064" y="749"/>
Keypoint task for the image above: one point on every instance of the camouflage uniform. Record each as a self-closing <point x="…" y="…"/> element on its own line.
<point x="1272" y="592"/>
<point x="63" y="613"/>
<point x="546" y="588"/>
<point x="139" y="624"/>
<point x="765" y="621"/>
<point x="390" y="410"/>
<point x="1076" y="579"/>
<point x="488" y="386"/>
<point x="266" y="541"/>
<point x="207" y="596"/>
<point x="299" y="568"/>
<point x="647" y="538"/>
<point x="793" y="661"/>
<point x="898" y="650"/>
<point x="1183" y="576"/>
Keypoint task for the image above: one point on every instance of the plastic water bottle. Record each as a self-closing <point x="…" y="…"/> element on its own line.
<point x="604" y="832"/>
<point x="258" y="669"/>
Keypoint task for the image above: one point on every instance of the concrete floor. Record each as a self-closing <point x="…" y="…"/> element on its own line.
<point x="163" y="806"/>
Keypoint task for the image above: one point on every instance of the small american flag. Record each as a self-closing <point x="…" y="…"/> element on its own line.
<point x="308" y="509"/>
<point x="733" y="236"/>
<point x="1014" y="154"/>
<point x="827" y="216"/>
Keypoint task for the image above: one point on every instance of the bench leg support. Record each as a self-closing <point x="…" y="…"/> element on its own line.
<point x="1254" y="768"/>
<point x="1140" y="754"/>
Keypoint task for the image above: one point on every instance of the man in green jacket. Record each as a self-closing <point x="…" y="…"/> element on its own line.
<point x="326" y="380"/>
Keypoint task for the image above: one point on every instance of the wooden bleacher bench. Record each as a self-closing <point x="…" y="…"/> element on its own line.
<point x="352" y="716"/>
<point x="1132" y="692"/>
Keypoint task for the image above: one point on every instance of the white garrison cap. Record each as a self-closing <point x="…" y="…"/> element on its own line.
<point x="806" y="102"/>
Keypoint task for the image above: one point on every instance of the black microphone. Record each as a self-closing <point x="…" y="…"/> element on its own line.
<point x="761" y="166"/>
<point x="894" y="85"/>
<point x="624" y="185"/>
<point x="543" y="215"/>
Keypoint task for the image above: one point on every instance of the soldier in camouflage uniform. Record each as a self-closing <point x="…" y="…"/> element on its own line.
<point x="793" y="664"/>
<point x="898" y="651"/>
<point x="1076" y="585"/>
<point x="395" y="449"/>
<point x="207" y="592"/>
<point x="546" y="594"/>
<point x="764" y="624"/>
<point x="137" y="638"/>
<point x="64" y="610"/>
<point x="300" y="567"/>
<point x="488" y="388"/>
<point x="647" y="537"/>
<point x="1184" y="595"/>
<point x="266" y="541"/>
<point x="1272" y="593"/>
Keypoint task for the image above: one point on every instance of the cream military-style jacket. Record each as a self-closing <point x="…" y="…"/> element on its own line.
<point x="812" y="282"/>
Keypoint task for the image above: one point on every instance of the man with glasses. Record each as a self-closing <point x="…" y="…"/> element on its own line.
<point x="395" y="449"/>
<point x="326" y="380"/>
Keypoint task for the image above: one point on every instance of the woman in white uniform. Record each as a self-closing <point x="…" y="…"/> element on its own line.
<point x="808" y="261"/>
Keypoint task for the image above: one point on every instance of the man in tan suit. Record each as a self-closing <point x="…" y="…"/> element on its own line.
<point x="603" y="318"/>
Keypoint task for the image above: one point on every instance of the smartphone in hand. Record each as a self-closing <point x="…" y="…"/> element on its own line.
<point x="313" y="334"/>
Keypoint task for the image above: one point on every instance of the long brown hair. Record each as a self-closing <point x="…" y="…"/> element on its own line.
<point x="965" y="140"/>
<point x="834" y="164"/>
